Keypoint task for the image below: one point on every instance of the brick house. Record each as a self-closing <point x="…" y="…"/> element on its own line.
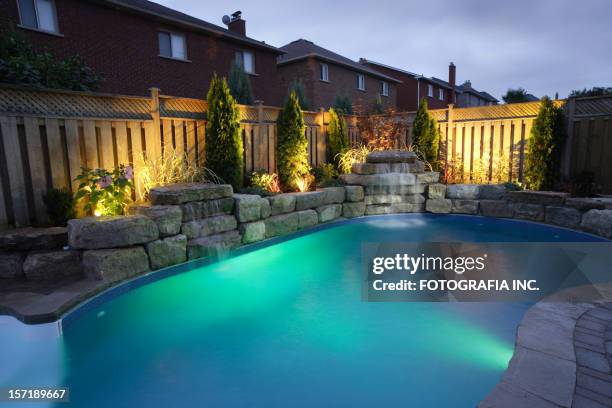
<point x="468" y="96"/>
<point x="438" y="93"/>
<point x="138" y="44"/>
<point x="326" y="75"/>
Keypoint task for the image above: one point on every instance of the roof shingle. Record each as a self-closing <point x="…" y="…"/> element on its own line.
<point x="174" y="16"/>
<point x="300" y="49"/>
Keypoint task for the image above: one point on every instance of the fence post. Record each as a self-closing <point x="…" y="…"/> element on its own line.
<point x="322" y="137"/>
<point x="570" y="109"/>
<point x="450" y="116"/>
<point x="157" y="145"/>
<point x="262" y="139"/>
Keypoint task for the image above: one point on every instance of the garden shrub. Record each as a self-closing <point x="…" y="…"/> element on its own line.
<point x="583" y="184"/>
<point x="102" y="192"/>
<point x="343" y="105"/>
<point x="545" y="147"/>
<point x="170" y="168"/>
<point x="382" y="132"/>
<point x="266" y="181"/>
<point x="337" y="137"/>
<point x="351" y="156"/>
<point x="240" y="84"/>
<point x="21" y="64"/>
<point x="324" y="173"/>
<point x="292" y="145"/>
<point x="60" y="206"/>
<point x="224" y="152"/>
<point x="426" y="136"/>
<point x="297" y="86"/>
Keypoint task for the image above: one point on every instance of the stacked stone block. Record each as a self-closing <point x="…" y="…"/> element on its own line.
<point x="392" y="182"/>
<point x="589" y="214"/>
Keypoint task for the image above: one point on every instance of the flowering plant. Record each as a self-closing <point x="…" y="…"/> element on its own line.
<point x="102" y="192"/>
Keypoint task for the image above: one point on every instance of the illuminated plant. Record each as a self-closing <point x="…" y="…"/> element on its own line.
<point x="102" y="192"/>
<point x="173" y="167"/>
<point x="224" y="152"/>
<point x="303" y="183"/>
<point x="337" y="136"/>
<point x="425" y="135"/>
<point x="266" y="181"/>
<point x="351" y="156"/>
<point x="292" y="145"/>
<point x="544" y="147"/>
<point x="382" y="132"/>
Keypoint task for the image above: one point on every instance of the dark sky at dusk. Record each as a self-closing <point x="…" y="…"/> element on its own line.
<point x="544" y="46"/>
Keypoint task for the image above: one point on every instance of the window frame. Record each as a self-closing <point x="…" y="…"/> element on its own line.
<point x="441" y="94"/>
<point x="384" y="88"/>
<point x="36" y="15"/>
<point x="171" y="56"/>
<point x="323" y="69"/>
<point x="242" y="52"/>
<point x="430" y="90"/>
<point x="361" y="85"/>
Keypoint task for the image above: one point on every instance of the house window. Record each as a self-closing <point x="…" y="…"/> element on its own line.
<point x="324" y="73"/>
<point x="172" y="45"/>
<point x="247" y="60"/>
<point x="430" y="90"/>
<point x="361" y="82"/>
<point x="38" y="14"/>
<point x="441" y="94"/>
<point x="384" y="88"/>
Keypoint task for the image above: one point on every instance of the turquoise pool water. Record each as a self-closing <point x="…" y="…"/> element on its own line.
<point x="281" y="326"/>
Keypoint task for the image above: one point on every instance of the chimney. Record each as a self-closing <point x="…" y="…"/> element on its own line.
<point x="237" y="24"/>
<point x="452" y="77"/>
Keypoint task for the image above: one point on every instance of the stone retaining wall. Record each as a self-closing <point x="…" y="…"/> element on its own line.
<point x="190" y="221"/>
<point x="182" y="222"/>
<point x="592" y="215"/>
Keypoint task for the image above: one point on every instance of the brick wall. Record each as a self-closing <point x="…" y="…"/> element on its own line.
<point x="342" y="81"/>
<point x="123" y="46"/>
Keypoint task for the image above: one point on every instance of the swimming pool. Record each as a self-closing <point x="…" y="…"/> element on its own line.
<point x="282" y="325"/>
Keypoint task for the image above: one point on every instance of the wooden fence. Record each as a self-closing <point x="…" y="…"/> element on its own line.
<point x="488" y="144"/>
<point x="589" y="145"/>
<point x="46" y="137"/>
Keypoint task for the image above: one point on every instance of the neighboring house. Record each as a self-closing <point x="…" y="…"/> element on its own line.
<point x="138" y="44"/>
<point x="326" y="75"/>
<point x="414" y="87"/>
<point x="438" y="93"/>
<point x="468" y="96"/>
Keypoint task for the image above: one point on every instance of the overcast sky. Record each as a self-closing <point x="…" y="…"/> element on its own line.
<point x="544" y="46"/>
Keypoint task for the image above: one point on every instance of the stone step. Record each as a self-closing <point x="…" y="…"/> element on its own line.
<point x="187" y="192"/>
<point x="391" y="156"/>
<point x="382" y="168"/>
<point x="28" y="239"/>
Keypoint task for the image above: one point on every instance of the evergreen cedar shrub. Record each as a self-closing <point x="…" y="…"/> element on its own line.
<point x="292" y="145"/>
<point x="343" y="105"/>
<point x="240" y="84"/>
<point x="425" y="135"/>
<point x="21" y="64"/>
<point x="297" y="87"/>
<point x="223" y="141"/>
<point x="545" y="147"/>
<point x="337" y="137"/>
<point x="60" y="206"/>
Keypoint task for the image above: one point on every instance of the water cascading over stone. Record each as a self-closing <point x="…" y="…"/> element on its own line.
<point x="394" y="181"/>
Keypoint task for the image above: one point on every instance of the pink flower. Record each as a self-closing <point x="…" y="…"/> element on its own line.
<point x="129" y="173"/>
<point x="105" y="181"/>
